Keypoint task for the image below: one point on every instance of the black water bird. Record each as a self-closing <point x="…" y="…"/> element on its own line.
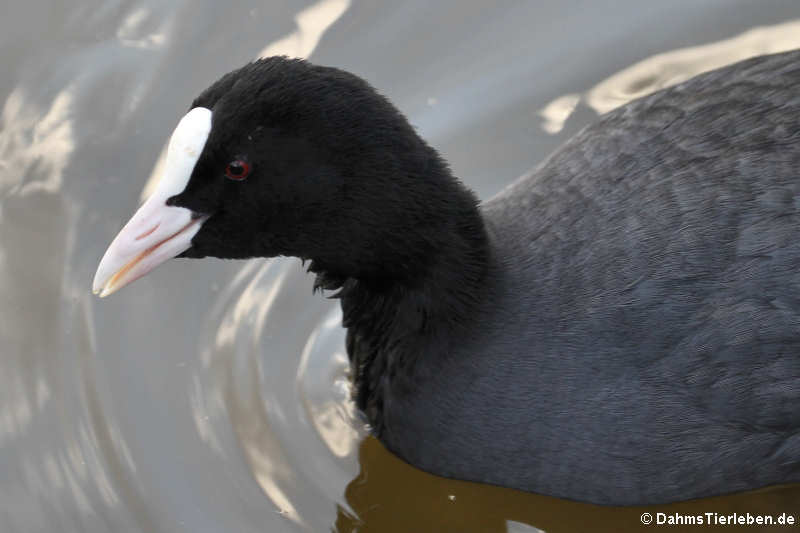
<point x="619" y="326"/>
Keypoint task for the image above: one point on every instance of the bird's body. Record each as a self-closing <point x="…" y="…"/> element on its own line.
<point x="640" y="341"/>
<point x="620" y="326"/>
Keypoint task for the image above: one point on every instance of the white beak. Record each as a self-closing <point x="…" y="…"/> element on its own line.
<point x="158" y="232"/>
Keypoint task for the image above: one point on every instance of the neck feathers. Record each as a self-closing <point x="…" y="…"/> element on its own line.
<point x="393" y="320"/>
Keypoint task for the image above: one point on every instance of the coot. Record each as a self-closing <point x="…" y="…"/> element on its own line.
<point x="619" y="326"/>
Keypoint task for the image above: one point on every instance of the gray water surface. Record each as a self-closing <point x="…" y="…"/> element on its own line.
<point x="212" y="396"/>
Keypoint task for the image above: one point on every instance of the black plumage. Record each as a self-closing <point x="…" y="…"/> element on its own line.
<point x="620" y="326"/>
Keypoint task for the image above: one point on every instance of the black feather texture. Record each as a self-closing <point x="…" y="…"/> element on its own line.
<point x="619" y="326"/>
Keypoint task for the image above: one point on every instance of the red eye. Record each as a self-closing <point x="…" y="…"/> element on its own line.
<point x="237" y="170"/>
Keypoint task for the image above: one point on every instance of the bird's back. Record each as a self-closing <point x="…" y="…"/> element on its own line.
<point x="640" y="341"/>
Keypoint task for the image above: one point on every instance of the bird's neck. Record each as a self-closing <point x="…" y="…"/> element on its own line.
<point x="394" y="320"/>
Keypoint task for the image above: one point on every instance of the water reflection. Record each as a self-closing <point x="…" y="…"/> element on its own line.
<point x="136" y="32"/>
<point x="323" y="383"/>
<point x="289" y="431"/>
<point x="39" y="140"/>
<point x="311" y="25"/>
<point x="671" y="68"/>
<point x="388" y="496"/>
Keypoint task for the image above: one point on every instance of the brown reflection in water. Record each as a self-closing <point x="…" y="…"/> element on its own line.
<point x="390" y="496"/>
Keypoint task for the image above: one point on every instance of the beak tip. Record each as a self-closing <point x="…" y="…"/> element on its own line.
<point x="100" y="291"/>
<point x="97" y="287"/>
<point x="105" y="289"/>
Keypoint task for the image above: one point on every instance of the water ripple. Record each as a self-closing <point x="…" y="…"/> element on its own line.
<point x="295" y="435"/>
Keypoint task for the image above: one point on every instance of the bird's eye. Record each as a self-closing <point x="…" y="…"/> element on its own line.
<point x="237" y="170"/>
